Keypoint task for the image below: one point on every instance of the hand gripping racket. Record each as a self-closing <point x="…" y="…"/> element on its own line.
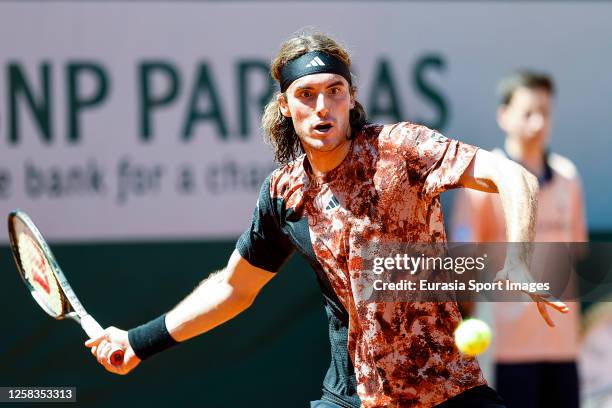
<point x="46" y="281"/>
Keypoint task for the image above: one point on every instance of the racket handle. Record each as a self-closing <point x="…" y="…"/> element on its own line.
<point x="93" y="330"/>
<point x="116" y="355"/>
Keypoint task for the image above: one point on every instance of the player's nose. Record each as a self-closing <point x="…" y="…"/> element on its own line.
<point x="321" y="107"/>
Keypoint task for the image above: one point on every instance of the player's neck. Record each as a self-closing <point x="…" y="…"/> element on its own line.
<point x="322" y="162"/>
<point x="530" y="155"/>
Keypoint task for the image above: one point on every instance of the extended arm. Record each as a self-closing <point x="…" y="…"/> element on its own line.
<point x="518" y="191"/>
<point x="219" y="298"/>
<point x="517" y="188"/>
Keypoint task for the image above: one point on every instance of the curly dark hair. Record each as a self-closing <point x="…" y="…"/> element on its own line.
<point x="278" y="129"/>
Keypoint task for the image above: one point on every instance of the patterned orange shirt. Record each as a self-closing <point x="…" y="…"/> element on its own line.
<point x="402" y="354"/>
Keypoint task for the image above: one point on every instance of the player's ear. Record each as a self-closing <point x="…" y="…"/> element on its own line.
<point x="353" y="94"/>
<point x="283" y="106"/>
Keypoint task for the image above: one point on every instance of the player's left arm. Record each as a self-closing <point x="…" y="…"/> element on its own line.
<point x="518" y="190"/>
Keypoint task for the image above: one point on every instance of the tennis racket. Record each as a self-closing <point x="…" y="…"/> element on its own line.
<point x="46" y="281"/>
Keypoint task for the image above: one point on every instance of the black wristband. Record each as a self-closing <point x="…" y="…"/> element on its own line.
<point x="151" y="338"/>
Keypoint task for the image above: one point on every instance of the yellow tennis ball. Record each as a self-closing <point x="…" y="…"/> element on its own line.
<point x="472" y="337"/>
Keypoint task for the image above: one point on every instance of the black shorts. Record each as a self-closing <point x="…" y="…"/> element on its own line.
<point x="534" y="385"/>
<point x="477" y="397"/>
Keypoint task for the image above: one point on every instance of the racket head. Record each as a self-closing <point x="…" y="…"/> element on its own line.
<point x="37" y="265"/>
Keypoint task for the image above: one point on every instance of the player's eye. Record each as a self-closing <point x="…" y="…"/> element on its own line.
<point x="335" y="90"/>
<point x="305" y="94"/>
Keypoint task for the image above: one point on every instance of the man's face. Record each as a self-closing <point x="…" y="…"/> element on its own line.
<point x="527" y="118"/>
<point x="319" y="106"/>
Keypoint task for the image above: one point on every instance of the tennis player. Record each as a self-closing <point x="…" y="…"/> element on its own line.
<point x="355" y="183"/>
<point x="534" y="366"/>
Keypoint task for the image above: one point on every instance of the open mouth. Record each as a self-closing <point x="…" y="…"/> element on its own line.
<point x="323" y="127"/>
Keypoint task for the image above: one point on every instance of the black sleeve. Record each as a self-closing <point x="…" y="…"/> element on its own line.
<point x="264" y="244"/>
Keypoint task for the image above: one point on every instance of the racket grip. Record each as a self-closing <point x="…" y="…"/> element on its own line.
<point x="93" y="330"/>
<point x="116" y="355"/>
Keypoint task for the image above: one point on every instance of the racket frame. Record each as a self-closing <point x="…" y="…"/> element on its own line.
<point x="68" y="298"/>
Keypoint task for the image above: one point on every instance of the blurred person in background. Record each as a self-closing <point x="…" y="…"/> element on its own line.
<point x="534" y="365"/>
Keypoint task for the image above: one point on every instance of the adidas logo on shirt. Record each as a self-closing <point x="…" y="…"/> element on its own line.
<point x="315" y="62"/>
<point x="333" y="203"/>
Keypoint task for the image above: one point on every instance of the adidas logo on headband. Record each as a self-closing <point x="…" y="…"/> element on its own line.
<point x="316" y="62"/>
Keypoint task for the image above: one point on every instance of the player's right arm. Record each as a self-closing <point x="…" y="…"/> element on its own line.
<point x="260" y="251"/>
<point x="217" y="299"/>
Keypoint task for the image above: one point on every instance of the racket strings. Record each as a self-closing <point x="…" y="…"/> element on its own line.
<point x="38" y="273"/>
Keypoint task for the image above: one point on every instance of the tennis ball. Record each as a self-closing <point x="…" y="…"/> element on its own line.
<point x="472" y="337"/>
